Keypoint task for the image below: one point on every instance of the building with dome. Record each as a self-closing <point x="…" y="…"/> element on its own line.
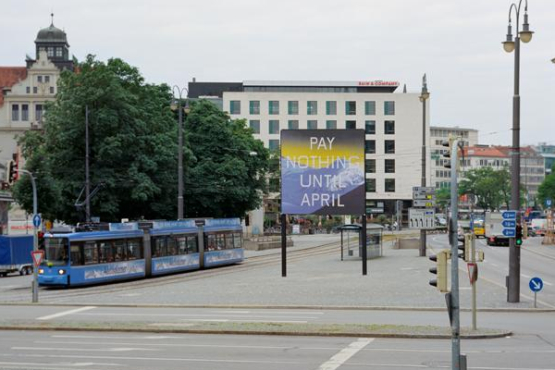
<point x="24" y="90"/>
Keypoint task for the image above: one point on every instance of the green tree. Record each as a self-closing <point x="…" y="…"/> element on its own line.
<point x="489" y="187"/>
<point x="547" y="188"/>
<point x="226" y="175"/>
<point x="443" y="197"/>
<point x="133" y="139"/>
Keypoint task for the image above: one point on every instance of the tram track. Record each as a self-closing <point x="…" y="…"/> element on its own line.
<point x="58" y="295"/>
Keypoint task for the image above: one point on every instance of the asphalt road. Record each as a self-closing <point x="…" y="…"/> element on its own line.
<point x="116" y="351"/>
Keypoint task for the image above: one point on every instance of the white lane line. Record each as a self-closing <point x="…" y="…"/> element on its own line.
<point x="547" y="283"/>
<point x="494" y="265"/>
<point x="245" y="320"/>
<point x="65" y="313"/>
<point x="189" y="315"/>
<point x="526" y="276"/>
<point x="345" y="354"/>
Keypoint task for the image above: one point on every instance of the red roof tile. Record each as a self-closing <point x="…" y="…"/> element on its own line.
<point x="9" y="76"/>
<point x="477" y="151"/>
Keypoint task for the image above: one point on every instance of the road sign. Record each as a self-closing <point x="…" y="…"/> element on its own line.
<point x="509" y="224"/>
<point x="511" y="233"/>
<point x="36" y="220"/>
<point x="509" y="215"/>
<point x="424" y="203"/>
<point x="38" y="256"/>
<point x="536" y="284"/>
<point x="472" y="272"/>
<point x="421" y="218"/>
<point x="423" y="192"/>
<point x="548" y="202"/>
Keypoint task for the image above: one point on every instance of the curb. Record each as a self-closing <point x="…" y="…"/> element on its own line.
<point x="500" y="334"/>
<point x="282" y="307"/>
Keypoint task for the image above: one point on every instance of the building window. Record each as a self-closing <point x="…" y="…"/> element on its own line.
<point x="370" y="165"/>
<point x="293" y="107"/>
<point x="389" y="108"/>
<point x="15" y="112"/>
<point x="39" y="79"/>
<point x="51" y="89"/>
<point x="370" y="127"/>
<point x="50" y="51"/>
<point x="24" y="112"/>
<point x="390" y="166"/>
<point x="351" y="125"/>
<point x="331" y="108"/>
<point x="38" y="112"/>
<point x="389" y="146"/>
<point x="311" y="107"/>
<point x="35" y="90"/>
<point x="370" y="146"/>
<point x="254" y="107"/>
<point x="28" y="89"/>
<point x="274" y="126"/>
<point x="47" y="79"/>
<point x="331" y="124"/>
<point x="350" y="108"/>
<point x="389" y="128"/>
<point x="389" y="185"/>
<point x="58" y="52"/>
<point x="273" y="144"/>
<point x="370" y="185"/>
<point x="273" y="107"/>
<point x="254" y="124"/>
<point x="235" y="107"/>
<point x="370" y="108"/>
<point x="293" y="124"/>
<point x="312" y="124"/>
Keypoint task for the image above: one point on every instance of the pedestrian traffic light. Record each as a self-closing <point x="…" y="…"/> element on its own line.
<point x="440" y="282"/>
<point x="11" y="172"/>
<point x="518" y="236"/>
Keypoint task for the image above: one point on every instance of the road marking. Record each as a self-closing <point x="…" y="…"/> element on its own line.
<point x="117" y="349"/>
<point x="65" y="313"/>
<point x="526" y="276"/>
<point x="246" y="320"/>
<point x="547" y="283"/>
<point x="187" y="315"/>
<point x="345" y="354"/>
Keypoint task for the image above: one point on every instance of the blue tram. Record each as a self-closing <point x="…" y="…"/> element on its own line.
<point x="132" y="250"/>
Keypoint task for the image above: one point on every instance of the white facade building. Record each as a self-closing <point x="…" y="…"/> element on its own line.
<point x="392" y="121"/>
<point x="441" y="176"/>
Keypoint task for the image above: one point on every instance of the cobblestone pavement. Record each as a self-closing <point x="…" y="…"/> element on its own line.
<point x="398" y="279"/>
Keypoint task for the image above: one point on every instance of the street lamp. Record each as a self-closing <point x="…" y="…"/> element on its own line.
<point x="177" y="104"/>
<point x="513" y="285"/>
<point x="424" y="95"/>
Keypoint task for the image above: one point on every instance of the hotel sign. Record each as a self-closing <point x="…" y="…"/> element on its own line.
<point x="378" y="83"/>
<point x="322" y="172"/>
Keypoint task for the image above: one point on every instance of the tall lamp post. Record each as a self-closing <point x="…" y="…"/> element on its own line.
<point x="424" y="95"/>
<point x="177" y="104"/>
<point x="513" y="280"/>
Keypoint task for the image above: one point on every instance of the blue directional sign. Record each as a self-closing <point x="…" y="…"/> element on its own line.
<point x="36" y="220"/>
<point x="509" y="223"/>
<point x="535" y="284"/>
<point x="511" y="233"/>
<point x="548" y="202"/>
<point x="509" y="215"/>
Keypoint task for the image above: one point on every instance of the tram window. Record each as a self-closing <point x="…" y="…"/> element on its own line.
<point x="173" y="245"/>
<point x="181" y="243"/>
<point x="76" y="252"/>
<point x="105" y="248"/>
<point x="229" y="241"/>
<point x="220" y="242"/>
<point x="160" y="246"/>
<point x="237" y="242"/>
<point x="192" y="244"/>
<point x="119" y="246"/>
<point x="91" y="253"/>
<point x="134" y="249"/>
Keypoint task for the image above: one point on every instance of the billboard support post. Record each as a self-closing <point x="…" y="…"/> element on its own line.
<point x="364" y="252"/>
<point x="283" y="245"/>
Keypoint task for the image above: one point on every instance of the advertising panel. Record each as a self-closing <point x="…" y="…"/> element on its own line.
<point x="322" y="172"/>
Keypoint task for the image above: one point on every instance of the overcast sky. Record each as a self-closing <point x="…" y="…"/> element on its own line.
<point x="457" y="43"/>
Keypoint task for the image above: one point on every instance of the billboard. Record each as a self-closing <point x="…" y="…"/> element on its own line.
<point x="322" y="172"/>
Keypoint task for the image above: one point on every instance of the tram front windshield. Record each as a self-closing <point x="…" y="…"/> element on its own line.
<point x="56" y="251"/>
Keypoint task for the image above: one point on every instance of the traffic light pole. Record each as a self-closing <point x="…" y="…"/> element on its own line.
<point x="35" y="285"/>
<point x="454" y="295"/>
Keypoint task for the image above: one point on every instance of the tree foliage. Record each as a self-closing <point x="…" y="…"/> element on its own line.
<point x="133" y="151"/>
<point x="547" y="189"/>
<point x="491" y="188"/>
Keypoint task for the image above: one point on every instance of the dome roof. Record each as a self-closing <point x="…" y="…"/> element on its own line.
<point x="51" y="34"/>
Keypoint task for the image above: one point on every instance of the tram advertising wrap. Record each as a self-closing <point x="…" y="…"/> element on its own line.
<point x="322" y="172"/>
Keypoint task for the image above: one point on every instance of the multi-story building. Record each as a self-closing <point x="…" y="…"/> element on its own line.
<point x="24" y="92"/>
<point x="392" y="122"/>
<point x="548" y="153"/>
<point x="440" y="176"/>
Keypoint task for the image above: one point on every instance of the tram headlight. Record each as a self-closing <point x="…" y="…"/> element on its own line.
<point x="41" y="271"/>
<point x="61" y="271"/>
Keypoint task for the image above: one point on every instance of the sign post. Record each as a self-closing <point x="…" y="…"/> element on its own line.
<point x="36" y="223"/>
<point x="536" y="285"/>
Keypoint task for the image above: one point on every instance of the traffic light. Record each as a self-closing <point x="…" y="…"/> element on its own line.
<point x="440" y="270"/>
<point x="447" y="155"/>
<point x="518" y="236"/>
<point x="464" y="246"/>
<point x="11" y="172"/>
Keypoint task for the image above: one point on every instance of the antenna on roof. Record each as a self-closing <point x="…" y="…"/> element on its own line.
<point x="52" y="21"/>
